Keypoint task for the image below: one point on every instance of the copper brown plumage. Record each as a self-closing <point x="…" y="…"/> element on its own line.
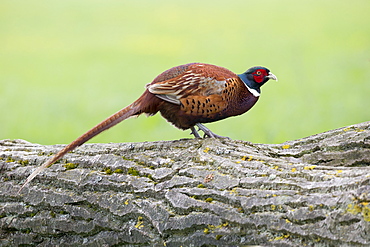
<point x="186" y="96"/>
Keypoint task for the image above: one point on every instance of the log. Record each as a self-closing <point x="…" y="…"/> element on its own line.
<point x="313" y="191"/>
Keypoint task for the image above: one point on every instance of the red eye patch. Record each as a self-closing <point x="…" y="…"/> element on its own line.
<point x="259" y="75"/>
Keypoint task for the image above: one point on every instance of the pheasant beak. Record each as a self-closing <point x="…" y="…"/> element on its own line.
<point x="272" y="76"/>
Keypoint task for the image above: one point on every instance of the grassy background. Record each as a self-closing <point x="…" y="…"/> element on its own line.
<point x="67" y="65"/>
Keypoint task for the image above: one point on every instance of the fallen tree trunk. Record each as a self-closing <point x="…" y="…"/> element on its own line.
<point x="192" y="192"/>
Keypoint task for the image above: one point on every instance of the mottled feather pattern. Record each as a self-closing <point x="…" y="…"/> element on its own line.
<point x="202" y="105"/>
<point x="195" y="80"/>
<point x="204" y="93"/>
<point x="231" y="90"/>
<point x="210" y="105"/>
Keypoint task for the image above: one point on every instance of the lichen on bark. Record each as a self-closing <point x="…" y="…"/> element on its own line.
<point x="191" y="192"/>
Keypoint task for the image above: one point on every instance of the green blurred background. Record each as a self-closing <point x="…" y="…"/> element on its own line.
<point x="67" y="65"/>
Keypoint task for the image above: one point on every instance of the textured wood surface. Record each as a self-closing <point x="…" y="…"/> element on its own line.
<point x="194" y="192"/>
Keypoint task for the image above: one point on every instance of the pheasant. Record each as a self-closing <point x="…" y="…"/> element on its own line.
<point x="186" y="96"/>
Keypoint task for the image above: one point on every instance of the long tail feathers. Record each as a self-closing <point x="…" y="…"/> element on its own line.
<point x="131" y="110"/>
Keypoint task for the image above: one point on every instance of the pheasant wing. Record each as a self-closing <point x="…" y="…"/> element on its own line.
<point x="191" y="80"/>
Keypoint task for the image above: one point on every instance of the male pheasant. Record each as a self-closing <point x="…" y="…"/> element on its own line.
<point x="186" y="95"/>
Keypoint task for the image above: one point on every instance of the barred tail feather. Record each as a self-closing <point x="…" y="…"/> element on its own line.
<point x="134" y="109"/>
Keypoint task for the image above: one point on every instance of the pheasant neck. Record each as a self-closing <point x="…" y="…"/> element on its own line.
<point x="254" y="90"/>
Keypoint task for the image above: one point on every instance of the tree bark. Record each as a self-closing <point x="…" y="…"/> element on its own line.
<point x="192" y="192"/>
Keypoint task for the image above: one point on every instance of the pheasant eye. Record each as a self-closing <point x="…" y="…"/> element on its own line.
<point x="258" y="72"/>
